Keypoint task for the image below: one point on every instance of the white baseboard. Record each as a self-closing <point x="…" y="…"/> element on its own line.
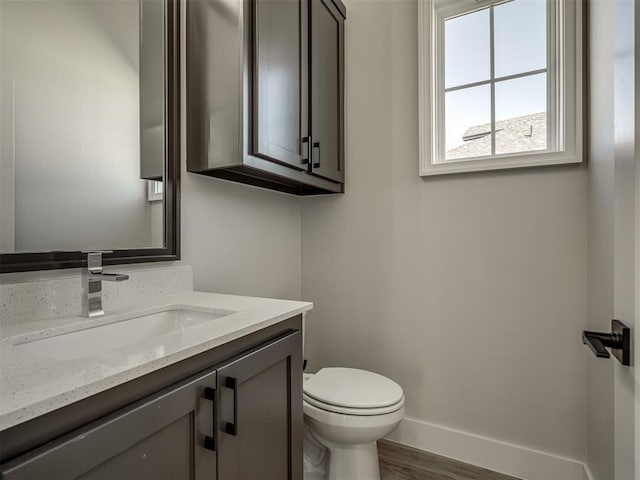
<point x="515" y="460"/>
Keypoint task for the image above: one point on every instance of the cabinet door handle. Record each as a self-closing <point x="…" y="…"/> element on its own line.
<point x="306" y="150"/>
<point x="210" y="442"/>
<point x="232" y="428"/>
<point x="316" y="164"/>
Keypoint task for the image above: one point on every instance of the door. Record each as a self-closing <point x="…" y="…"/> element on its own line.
<point x="327" y="90"/>
<point x="613" y="430"/>
<point x="168" y="435"/>
<point x="280" y="76"/>
<point x="626" y="391"/>
<point x="260" y="413"/>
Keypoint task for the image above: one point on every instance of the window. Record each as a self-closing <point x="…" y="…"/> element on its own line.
<point x="155" y="191"/>
<point x="500" y="84"/>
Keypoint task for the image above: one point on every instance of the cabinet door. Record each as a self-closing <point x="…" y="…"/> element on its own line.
<point x="260" y="413"/>
<point x="327" y="90"/>
<point x="280" y="76"/>
<point x="162" y="436"/>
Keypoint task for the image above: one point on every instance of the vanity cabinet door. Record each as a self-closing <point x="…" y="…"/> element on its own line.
<point x="327" y="90"/>
<point x="260" y="413"/>
<point x="162" y="436"/>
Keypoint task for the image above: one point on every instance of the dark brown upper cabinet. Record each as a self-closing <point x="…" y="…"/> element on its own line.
<point x="265" y="93"/>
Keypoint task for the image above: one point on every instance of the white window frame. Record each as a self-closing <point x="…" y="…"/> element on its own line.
<point x="564" y="89"/>
<point x="155" y="191"/>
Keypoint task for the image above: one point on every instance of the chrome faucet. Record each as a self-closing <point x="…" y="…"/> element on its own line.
<point x="92" y="279"/>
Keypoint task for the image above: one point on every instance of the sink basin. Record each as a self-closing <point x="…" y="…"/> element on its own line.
<point x="102" y="338"/>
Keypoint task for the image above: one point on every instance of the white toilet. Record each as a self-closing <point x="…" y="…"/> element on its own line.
<point x="347" y="411"/>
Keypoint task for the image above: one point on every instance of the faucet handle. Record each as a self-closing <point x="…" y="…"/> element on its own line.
<point x="94" y="260"/>
<point x="93" y="277"/>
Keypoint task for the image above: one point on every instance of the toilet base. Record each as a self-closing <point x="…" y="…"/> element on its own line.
<point x="353" y="462"/>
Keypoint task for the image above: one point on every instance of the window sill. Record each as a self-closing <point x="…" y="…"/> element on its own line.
<point x="499" y="163"/>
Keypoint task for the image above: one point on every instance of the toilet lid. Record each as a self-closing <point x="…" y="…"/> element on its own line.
<point x="353" y="388"/>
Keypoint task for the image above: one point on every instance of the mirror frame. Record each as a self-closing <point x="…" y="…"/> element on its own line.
<point x="30" y="261"/>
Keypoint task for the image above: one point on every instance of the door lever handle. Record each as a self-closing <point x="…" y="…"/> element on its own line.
<point x="593" y="340"/>
<point x="619" y="341"/>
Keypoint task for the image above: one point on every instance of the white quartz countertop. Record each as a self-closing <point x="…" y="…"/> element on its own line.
<point x="32" y="384"/>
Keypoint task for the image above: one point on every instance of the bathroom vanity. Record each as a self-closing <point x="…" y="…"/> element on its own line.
<point x="219" y="397"/>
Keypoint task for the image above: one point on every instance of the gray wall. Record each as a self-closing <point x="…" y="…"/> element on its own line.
<point x="69" y="96"/>
<point x="240" y="240"/>
<point x="468" y="290"/>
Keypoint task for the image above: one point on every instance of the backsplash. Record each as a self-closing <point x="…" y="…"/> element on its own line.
<point x="32" y="300"/>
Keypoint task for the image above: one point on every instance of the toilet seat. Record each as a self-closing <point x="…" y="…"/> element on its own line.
<point x="351" y="391"/>
<point x="354" y="423"/>
<point x="352" y="410"/>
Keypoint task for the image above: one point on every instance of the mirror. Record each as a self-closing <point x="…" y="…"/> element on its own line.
<point x="88" y="131"/>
